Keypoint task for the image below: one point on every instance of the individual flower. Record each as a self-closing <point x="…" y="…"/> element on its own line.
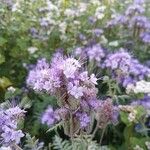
<point x="50" y="117"/>
<point x="75" y="90"/>
<point x="145" y="37"/>
<point x="84" y="119"/>
<point x="97" y="32"/>
<point x="95" y="52"/>
<point x="70" y="66"/>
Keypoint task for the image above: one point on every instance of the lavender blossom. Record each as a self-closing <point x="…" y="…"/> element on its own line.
<point x="124" y="68"/>
<point x="141" y="22"/>
<point x="9" y="132"/>
<point x="134" y="9"/>
<point x="139" y="2"/>
<point x="84" y="119"/>
<point x="119" y="60"/>
<point x="92" y="20"/>
<point x="95" y="52"/>
<point x="107" y="113"/>
<point x="42" y="77"/>
<point x="145" y="37"/>
<point x="63" y="74"/>
<point x="145" y="102"/>
<point x="50" y="117"/>
<point x="117" y="20"/>
<point x="97" y="32"/>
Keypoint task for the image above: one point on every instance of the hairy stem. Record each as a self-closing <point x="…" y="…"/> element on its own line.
<point x="102" y="135"/>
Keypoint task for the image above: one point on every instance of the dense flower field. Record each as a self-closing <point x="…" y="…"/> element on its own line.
<point x="74" y="75"/>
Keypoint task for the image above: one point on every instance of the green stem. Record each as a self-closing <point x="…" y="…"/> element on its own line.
<point x="95" y="130"/>
<point x="102" y="135"/>
<point x="71" y="126"/>
<point x="16" y="147"/>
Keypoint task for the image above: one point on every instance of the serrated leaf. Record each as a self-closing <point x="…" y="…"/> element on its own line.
<point x="26" y="102"/>
<point x="55" y="127"/>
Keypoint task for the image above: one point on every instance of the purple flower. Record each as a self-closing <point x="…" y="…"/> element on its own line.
<point x="118" y="20"/>
<point x="145" y="37"/>
<point x="50" y="117"/>
<point x="75" y="90"/>
<point x="95" y="52"/>
<point x="42" y="77"/>
<point x="145" y="102"/>
<point x="70" y="66"/>
<point x="95" y="104"/>
<point x="134" y="9"/>
<point x="92" y="20"/>
<point x="9" y="125"/>
<point x="107" y="113"/>
<point x="68" y="80"/>
<point x="44" y="22"/>
<point x="119" y="60"/>
<point x="82" y="37"/>
<point x="98" y="32"/>
<point x="139" y="1"/>
<point x="124" y="68"/>
<point x="10" y="135"/>
<point x="140" y="22"/>
<point x="84" y="119"/>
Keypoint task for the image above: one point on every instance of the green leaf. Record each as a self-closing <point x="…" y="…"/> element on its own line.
<point x="5" y="82"/>
<point x="59" y="144"/>
<point x="11" y="94"/>
<point x="2" y="58"/>
<point x="140" y="112"/>
<point x="124" y="118"/>
<point x="138" y="141"/>
<point x="26" y="102"/>
<point x="2" y="41"/>
<point x="55" y="127"/>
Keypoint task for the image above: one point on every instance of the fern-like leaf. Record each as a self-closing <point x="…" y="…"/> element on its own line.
<point x="59" y="144"/>
<point x="33" y="144"/>
<point x="55" y="127"/>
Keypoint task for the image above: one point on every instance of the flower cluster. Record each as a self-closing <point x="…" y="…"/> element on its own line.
<point x="140" y="87"/>
<point x="9" y="118"/>
<point x="65" y="78"/>
<point x="42" y="77"/>
<point x="94" y="52"/>
<point x="107" y="113"/>
<point x="145" y="37"/>
<point x="125" y="68"/>
<point x="75" y="89"/>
